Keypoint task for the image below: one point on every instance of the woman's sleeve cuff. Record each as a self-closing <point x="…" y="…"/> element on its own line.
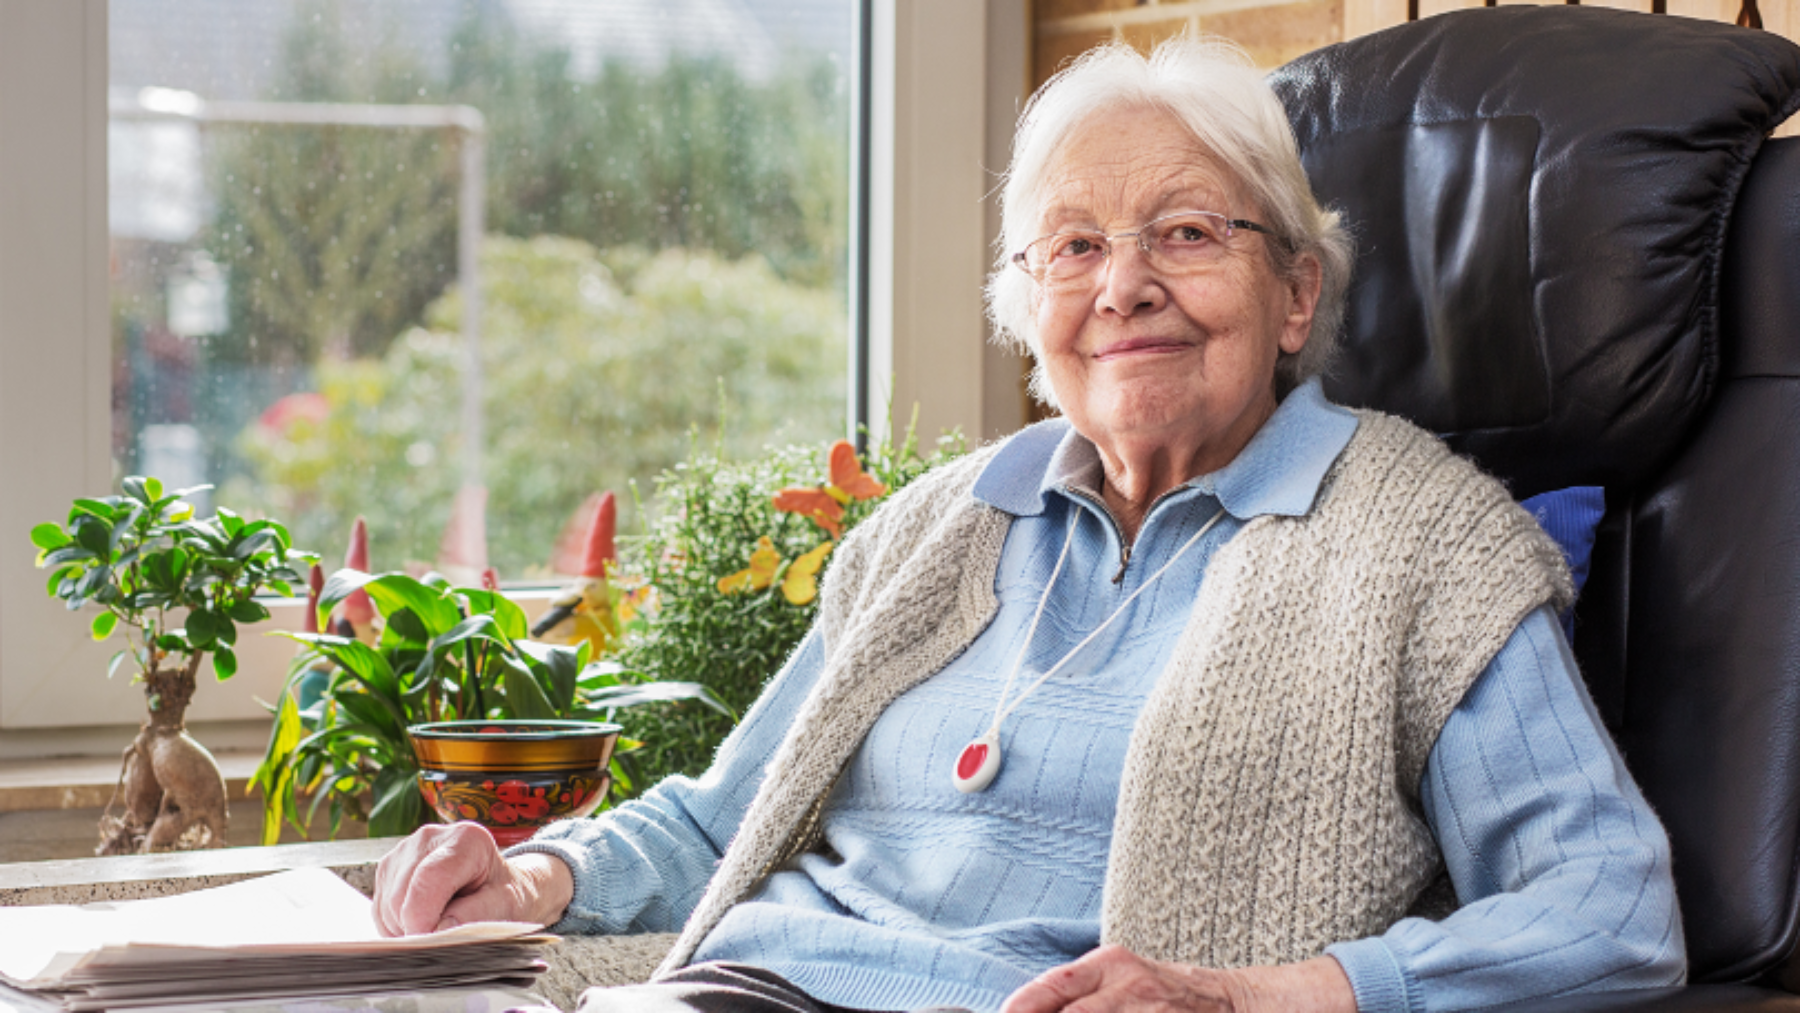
<point x="1380" y="983"/>
<point x="578" y="918"/>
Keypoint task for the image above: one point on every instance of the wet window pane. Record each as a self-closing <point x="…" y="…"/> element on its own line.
<point x="648" y="196"/>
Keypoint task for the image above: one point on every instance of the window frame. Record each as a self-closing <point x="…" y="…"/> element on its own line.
<point x="928" y="147"/>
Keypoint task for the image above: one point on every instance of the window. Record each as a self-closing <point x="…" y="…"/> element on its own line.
<point x="947" y="77"/>
<point x="648" y="199"/>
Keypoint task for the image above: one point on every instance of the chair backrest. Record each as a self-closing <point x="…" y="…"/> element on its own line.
<point x="1579" y="261"/>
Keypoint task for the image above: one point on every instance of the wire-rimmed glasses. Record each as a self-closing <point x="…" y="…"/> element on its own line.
<point x="1177" y="243"/>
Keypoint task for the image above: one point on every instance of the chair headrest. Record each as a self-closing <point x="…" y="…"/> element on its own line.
<point x="1540" y="197"/>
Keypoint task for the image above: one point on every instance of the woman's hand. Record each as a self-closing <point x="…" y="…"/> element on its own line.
<point x="1113" y="978"/>
<point x="444" y="876"/>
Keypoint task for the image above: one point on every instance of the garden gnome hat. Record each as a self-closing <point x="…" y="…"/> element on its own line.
<point x="356" y="616"/>
<point x="315" y="583"/>
<point x="462" y="554"/>
<point x="598" y="552"/>
<point x="584" y="609"/>
<point x="568" y="557"/>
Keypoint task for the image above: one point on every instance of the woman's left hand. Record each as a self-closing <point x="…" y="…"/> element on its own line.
<point x="1112" y="979"/>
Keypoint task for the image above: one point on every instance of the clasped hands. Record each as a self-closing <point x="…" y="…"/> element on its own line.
<point x="444" y="876"/>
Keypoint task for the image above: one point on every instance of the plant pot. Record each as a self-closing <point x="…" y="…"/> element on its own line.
<point x="513" y="777"/>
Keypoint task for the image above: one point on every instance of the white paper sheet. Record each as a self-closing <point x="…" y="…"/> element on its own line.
<point x="217" y="940"/>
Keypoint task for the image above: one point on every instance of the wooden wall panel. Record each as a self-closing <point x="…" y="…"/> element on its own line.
<point x="1272" y="32"/>
<point x="1276" y="31"/>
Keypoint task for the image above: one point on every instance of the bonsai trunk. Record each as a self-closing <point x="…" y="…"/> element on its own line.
<point x="173" y="792"/>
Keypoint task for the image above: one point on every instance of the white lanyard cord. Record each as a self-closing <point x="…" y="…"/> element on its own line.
<point x="1003" y="710"/>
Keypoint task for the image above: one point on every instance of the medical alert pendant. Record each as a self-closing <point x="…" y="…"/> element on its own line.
<point x="977" y="764"/>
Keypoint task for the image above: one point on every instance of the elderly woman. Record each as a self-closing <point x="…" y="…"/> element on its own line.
<point x="1207" y="695"/>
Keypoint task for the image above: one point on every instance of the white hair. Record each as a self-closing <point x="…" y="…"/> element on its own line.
<point x="1214" y="90"/>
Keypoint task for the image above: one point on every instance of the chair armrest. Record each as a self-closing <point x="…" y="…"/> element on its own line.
<point x="1691" y="999"/>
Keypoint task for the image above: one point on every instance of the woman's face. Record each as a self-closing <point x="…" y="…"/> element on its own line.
<point x="1147" y="362"/>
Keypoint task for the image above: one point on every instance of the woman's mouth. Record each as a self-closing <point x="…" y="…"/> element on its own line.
<point x="1140" y="346"/>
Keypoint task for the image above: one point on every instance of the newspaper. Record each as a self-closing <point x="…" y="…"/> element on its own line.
<point x="291" y="936"/>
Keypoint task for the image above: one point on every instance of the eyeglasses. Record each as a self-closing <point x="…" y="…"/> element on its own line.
<point x="1178" y="243"/>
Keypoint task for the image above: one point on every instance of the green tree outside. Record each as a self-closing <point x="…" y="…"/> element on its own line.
<point x="597" y="368"/>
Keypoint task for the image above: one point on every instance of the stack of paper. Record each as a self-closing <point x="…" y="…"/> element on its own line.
<point x="301" y="934"/>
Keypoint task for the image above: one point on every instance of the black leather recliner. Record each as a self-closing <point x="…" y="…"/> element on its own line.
<point x="1579" y="261"/>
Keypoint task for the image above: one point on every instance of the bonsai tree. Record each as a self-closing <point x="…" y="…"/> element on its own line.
<point x="147" y="564"/>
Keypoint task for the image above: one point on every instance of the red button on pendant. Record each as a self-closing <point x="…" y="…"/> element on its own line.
<point x="977" y="764"/>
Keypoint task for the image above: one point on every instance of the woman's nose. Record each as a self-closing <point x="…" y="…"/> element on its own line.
<point x="1128" y="284"/>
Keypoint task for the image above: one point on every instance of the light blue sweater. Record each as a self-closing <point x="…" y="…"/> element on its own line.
<point x="927" y="896"/>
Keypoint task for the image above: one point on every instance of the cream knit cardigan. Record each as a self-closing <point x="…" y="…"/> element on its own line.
<point x="1269" y="802"/>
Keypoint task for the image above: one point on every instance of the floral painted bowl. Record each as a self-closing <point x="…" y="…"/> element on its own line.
<point x="513" y="776"/>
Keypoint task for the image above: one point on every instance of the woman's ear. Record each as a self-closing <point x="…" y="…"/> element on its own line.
<point x="1304" y="282"/>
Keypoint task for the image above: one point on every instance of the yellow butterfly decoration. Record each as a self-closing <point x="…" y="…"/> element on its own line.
<point x="799" y="583"/>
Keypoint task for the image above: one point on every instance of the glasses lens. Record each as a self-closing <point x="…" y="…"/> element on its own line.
<point x="1187" y="240"/>
<point x="1065" y="255"/>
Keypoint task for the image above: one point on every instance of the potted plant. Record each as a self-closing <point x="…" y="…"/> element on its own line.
<point x="729" y="570"/>
<point x="441" y="653"/>
<point x="146" y="562"/>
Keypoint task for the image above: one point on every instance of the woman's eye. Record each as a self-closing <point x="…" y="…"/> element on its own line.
<point x="1076" y="246"/>
<point x="1187" y="233"/>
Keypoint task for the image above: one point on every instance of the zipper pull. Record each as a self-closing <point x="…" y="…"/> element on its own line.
<point x="1124" y="561"/>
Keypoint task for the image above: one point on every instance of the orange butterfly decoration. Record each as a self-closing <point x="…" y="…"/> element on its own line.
<point x="825" y="507"/>
<point x="800" y="582"/>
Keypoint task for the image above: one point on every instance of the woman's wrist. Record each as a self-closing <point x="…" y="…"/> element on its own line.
<point x="1318" y="985"/>
<point x="543" y="885"/>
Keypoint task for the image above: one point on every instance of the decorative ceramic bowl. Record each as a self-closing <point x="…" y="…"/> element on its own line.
<point x="513" y="776"/>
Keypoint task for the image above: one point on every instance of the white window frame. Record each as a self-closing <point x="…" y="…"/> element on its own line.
<point x="947" y="75"/>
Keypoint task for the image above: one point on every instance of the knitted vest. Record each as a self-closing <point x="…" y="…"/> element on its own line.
<point x="1269" y="803"/>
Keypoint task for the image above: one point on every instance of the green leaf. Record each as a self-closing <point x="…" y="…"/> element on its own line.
<point x="655" y="692"/>
<point x="123" y="527"/>
<point x="508" y="616"/>
<point x="404" y="627"/>
<point x="356" y="660"/>
<point x="224" y="663"/>
<point x="608" y="673"/>
<point x="562" y="667"/>
<point x="524" y="697"/>
<point x="153" y="489"/>
<point x="476" y="627"/>
<point x="392" y="592"/>
<point x="94" y="537"/>
<point x="56" y="580"/>
<point x="103" y="624"/>
<point x="247" y="611"/>
<point x="229" y="522"/>
<point x="49" y="535"/>
<point x="246" y="547"/>
<point x="70" y="553"/>
<point x="94" y="508"/>
<point x="399" y="807"/>
<point x="621" y="780"/>
<point x="91" y="581"/>
<point x="368" y="710"/>
<point x="163" y="569"/>
<point x="112" y="665"/>
<point x="204" y="627"/>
